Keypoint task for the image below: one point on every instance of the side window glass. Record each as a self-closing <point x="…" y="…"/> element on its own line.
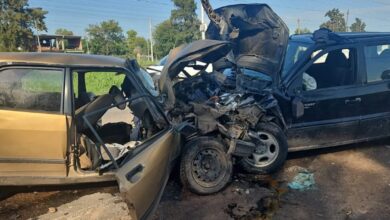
<point x="31" y="89"/>
<point x="332" y="69"/>
<point x="99" y="83"/>
<point x="377" y="62"/>
<point x="87" y="86"/>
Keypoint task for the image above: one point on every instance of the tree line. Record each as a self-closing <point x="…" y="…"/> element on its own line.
<point x="18" y="22"/>
<point x="337" y="22"/>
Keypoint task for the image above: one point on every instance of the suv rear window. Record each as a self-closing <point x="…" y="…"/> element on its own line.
<point x="31" y="89"/>
<point x="377" y="62"/>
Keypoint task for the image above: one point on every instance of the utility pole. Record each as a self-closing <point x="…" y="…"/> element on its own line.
<point x="202" y="25"/>
<point x="346" y="22"/>
<point x="86" y="41"/>
<point x="39" y="41"/>
<point x="299" y="26"/>
<point x="151" y="39"/>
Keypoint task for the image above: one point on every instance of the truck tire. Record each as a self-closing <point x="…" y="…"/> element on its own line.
<point x="270" y="154"/>
<point x="205" y="167"/>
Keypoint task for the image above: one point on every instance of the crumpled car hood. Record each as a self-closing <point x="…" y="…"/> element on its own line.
<point x="252" y="36"/>
<point x="258" y="35"/>
<point x="207" y="51"/>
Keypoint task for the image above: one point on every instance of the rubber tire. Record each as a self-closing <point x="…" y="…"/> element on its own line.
<point x="281" y="138"/>
<point x="190" y="151"/>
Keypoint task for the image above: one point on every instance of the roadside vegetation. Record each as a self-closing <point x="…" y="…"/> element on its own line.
<point x="18" y="21"/>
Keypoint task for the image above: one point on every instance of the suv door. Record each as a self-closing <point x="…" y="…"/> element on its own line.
<point x="33" y="128"/>
<point x="375" y="121"/>
<point x="330" y="91"/>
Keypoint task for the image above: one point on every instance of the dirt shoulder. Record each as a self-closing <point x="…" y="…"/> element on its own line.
<point x="351" y="182"/>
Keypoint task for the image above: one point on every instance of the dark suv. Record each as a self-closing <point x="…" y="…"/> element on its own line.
<point x="349" y="98"/>
<point x="270" y="94"/>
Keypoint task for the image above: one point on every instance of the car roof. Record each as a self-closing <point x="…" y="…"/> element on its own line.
<point x="61" y="59"/>
<point x="351" y="36"/>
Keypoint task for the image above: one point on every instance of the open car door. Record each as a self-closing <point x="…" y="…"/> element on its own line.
<point x="142" y="179"/>
<point x="143" y="171"/>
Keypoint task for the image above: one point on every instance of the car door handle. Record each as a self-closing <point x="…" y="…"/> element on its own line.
<point x="135" y="174"/>
<point x="353" y="101"/>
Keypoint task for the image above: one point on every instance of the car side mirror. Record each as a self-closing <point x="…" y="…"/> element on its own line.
<point x="298" y="109"/>
<point x="385" y="75"/>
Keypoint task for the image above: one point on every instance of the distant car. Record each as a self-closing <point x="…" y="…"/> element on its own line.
<point x="71" y="119"/>
<point x="155" y="70"/>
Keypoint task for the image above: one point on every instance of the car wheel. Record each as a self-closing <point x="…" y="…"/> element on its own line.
<point x="205" y="167"/>
<point x="271" y="150"/>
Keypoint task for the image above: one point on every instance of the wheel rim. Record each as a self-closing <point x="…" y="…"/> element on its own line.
<point x="207" y="167"/>
<point x="266" y="152"/>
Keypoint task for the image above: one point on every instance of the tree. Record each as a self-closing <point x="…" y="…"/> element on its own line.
<point x="185" y="21"/>
<point x="302" y="31"/>
<point x="136" y="45"/>
<point x="165" y="38"/>
<point x="64" y="32"/>
<point x="17" y="22"/>
<point x="336" y="21"/>
<point x="358" y="26"/>
<point x="106" y="38"/>
<point x="182" y="27"/>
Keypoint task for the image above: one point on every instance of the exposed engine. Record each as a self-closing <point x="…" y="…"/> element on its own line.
<point x="229" y="107"/>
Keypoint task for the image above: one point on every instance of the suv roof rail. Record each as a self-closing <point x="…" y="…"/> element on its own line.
<point x="325" y="35"/>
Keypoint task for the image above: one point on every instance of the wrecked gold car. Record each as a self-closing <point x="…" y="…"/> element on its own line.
<point x="71" y="119"/>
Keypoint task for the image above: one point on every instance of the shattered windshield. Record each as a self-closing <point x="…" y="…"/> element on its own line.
<point x="295" y="50"/>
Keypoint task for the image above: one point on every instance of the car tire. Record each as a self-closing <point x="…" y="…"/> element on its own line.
<point x="272" y="154"/>
<point x="205" y="167"/>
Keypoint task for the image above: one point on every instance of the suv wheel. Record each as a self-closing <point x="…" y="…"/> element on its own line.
<point x="205" y="167"/>
<point x="271" y="152"/>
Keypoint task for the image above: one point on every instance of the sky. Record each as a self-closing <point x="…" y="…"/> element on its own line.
<point x="76" y="15"/>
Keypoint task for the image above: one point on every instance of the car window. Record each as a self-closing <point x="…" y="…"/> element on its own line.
<point x="99" y="83"/>
<point x="332" y="69"/>
<point x="31" y="89"/>
<point x="295" y="50"/>
<point x="377" y="62"/>
<point x="89" y="85"/>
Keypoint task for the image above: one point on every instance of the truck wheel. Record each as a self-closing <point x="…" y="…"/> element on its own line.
<point x="205" y="167"/>
<point x="271" y="151"/>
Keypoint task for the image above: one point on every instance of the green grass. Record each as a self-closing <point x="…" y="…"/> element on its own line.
<point x="100" y="82"/>
<point x="38" y="81"/>
<point x="51" y="81"/>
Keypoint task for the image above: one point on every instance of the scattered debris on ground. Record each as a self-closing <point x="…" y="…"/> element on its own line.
<point x="302" y="181"/>
<point x="342" y="191"/>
